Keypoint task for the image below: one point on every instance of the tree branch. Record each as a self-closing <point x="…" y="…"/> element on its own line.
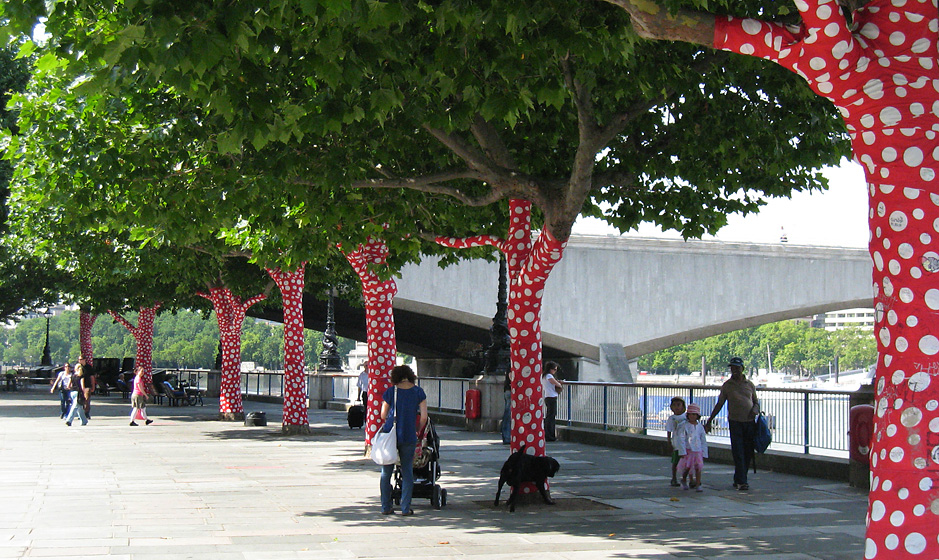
<point x="492" y="144"/>
<point x="475" y="241"/>
<point x="586" y="121"/>
<point x="433" y="184"/>
<point x="652" y="21"/>
<point x="464" y="151"/>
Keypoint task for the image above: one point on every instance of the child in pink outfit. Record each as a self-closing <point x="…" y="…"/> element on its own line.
<point x="692" y="446"/>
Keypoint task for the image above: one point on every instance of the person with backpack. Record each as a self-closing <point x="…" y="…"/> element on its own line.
<point x="61" y="384"/>
<point x="742" y="408"/>
<point x="75" y="393"/>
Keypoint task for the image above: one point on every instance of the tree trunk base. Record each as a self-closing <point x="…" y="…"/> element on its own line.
<point x="296" y="429"/>
<point x="231" y="416"/>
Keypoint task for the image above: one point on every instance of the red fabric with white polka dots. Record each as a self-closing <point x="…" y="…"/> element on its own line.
<point x="296" y="411"/>
<point x="379" y="296"/>
<point x="883" y="78"/>
<point x="85" y="322"/>
<point x="529" y="265"/>
<point x="143" y="336"/>
<point x="230" y="312"/>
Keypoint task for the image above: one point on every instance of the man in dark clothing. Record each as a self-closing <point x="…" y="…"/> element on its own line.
<point x="742" y="408"/>
<point x="83" y="369"/>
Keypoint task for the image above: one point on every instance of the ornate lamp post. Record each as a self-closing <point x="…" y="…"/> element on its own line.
<point x="330" y="360"/>
<point x="46" y="357"/>
<point x="499" y="352"/>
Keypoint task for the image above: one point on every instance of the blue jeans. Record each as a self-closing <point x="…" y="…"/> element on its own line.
<point x="507" y="419"/>
<point x="76" y="408"/>
<point x="406" y="455"/>
<point x="65" y="403"/>
<point x="741" y="447"/>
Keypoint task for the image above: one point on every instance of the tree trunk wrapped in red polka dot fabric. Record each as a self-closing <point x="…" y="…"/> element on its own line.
<point x="884" y="79"/>
<point x="230" y="312"/>
<point x="379" y="296"/>
<point x="143" y="336"/>
<point x="85" y="322"/>
<point x="529" y="265"/>
<point x="296" y="414"/>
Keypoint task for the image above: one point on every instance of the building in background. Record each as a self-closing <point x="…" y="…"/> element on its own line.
<point x="834" y="320"/>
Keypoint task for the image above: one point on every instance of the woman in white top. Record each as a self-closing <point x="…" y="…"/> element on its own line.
<point x="61" y="384"/>
<point x="552" y="388"/>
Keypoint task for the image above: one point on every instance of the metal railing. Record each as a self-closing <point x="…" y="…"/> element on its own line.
<point x="197" y="378"/>
<point x="445" y="394"/>
<point x="802" y="420"/>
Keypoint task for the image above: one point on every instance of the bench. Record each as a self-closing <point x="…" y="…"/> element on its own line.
<point x="175" y="397"/>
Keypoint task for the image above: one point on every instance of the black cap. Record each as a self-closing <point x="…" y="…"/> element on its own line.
<point x="736" y="361"/>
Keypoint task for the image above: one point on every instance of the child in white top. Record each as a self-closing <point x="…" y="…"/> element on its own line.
<point x="671" y="427"/>
<point x="693" y="447"/>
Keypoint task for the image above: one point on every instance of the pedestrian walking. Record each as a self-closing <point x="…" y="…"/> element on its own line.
<point x="61" y="384"/>
<point x="139" y="397"/>
<point x="742" y="408"/>
<point x="408" y="403"/>
<point x="75" y="393"/>
<point x="87" y="383"/>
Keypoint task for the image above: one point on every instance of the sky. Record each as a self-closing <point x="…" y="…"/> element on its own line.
<point x="834" y="218"/>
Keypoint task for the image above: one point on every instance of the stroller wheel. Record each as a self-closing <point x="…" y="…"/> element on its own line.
<point x="443" y="497"/>
<point x="435" y="497"/>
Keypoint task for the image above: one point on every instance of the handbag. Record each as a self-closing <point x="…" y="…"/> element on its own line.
<point x="763" y="436"/>
<point x="385" y="444"/>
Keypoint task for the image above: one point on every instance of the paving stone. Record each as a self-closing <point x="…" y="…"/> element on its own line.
<point x="189" y="486"/>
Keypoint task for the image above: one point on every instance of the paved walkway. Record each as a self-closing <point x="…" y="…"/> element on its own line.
<point x="191" y="487"/>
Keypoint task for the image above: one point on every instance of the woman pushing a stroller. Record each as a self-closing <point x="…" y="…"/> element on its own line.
<point x="410" y="412"/>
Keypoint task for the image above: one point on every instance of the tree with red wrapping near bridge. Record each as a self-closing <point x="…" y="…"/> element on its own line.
<point x="367" y="260"/>
<point x="529" y="264"/>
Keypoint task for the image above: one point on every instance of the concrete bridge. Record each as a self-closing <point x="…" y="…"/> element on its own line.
<point x="612" y="299"/>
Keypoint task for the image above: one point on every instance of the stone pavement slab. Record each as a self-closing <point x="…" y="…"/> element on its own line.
<point x="189" y="486"/>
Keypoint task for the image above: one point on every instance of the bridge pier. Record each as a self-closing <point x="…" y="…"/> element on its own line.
<point x="614" y="366"/>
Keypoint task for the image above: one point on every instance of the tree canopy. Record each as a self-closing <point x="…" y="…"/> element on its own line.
<point x="794" y="346"/>
<point x="473" y="102"/>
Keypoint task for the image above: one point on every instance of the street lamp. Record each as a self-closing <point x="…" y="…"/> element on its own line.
<point x="330" y="360"/>
<point x="46" y="357"/>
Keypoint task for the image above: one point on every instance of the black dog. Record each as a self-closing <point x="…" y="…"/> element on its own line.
<point x="520" y="468"/>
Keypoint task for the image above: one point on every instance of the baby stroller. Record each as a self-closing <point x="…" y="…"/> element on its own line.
<point x="426" y="471"/>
